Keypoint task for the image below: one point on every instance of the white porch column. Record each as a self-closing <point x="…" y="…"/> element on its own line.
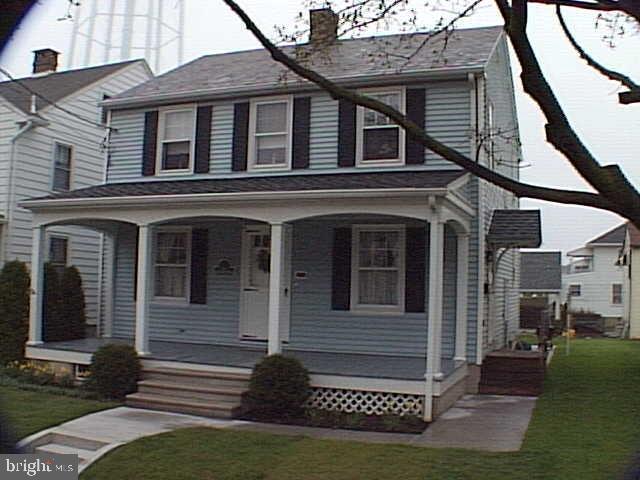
<point x="37" y="286"/>
<point x="276" y="275"/>
<point x="142" y="293"/>
<point x="434" y="312"/>
<point x="462" y="285"/>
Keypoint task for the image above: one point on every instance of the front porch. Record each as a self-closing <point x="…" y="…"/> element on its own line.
<point x="318" y="363"/>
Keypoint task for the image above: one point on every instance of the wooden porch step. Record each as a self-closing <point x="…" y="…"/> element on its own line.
<point x="182" y="405"/>
<point x="203" y="378"/>
<point x="190" y="391"/>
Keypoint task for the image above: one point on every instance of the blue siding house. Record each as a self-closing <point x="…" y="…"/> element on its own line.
<point x="246" y="212"/>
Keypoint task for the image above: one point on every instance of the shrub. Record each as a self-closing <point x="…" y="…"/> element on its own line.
<point x="278" y="387"/>
<point x="115" y="370"/>
<point x="72" y="305"/>
<point x="14" y="311"/>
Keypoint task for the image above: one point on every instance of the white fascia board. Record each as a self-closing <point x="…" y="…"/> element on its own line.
<point x="303" y="86"/>
<point x="43" y="205"/>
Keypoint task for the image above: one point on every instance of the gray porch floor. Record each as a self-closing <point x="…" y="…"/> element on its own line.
<point x="328" y="363"/>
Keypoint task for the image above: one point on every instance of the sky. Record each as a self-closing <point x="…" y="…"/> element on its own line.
<point x="610" y="130"/>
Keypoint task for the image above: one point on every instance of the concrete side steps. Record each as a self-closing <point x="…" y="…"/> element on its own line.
<point x="175" y="404"/>
<point x="206" y="393"/>
<point x="56" y="448"/>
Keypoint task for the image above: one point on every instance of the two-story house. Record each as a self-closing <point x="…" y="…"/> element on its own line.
<point x="248" y="212"/>
<point x="52" y="128"/>
<point x="593" y="281"/>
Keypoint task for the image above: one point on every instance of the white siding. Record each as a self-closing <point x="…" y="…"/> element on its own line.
<point x="34" y="168"/>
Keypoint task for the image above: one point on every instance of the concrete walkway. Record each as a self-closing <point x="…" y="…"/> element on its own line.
<point x="479" y="422"/>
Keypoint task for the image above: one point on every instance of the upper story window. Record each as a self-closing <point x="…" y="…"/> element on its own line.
<point x="176" y="131"/>
<point x="270" y="134"/>
<point x="378" y="268"/>
<point x="62" y="158"/>
<point x="575" y="290"/>
<point x="616" y="293"/>
<point x="104" y="113"/>
<point x="380" y="139"/>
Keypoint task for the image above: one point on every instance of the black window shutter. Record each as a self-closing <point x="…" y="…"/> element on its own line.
<point x="240" y="136"/>
<point x="341" y="275"/>
<point x="415" y="112"/>
<point x="301" y="123"/>
<point x="199" y="250"/>
<point x="149" y="143"/>
<point x="135" y="266"/>
<point x="415" y="265"/>
<point x="203" y="139"/>
<point x="346" y="134"/>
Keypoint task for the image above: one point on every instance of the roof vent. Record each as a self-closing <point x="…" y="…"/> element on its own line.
<point x="324" y="26"/>
<point x="45" y="61"/>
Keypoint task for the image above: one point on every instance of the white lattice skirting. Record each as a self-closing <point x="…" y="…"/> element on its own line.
<point x="370" y="403"/>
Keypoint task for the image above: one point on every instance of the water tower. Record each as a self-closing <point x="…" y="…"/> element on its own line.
<point x="107" y="31"/>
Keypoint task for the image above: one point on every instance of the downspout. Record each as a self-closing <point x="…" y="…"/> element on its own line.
<point x="29" y="124"/>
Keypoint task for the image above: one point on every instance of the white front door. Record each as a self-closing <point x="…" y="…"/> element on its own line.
<point x="254" y="301"/>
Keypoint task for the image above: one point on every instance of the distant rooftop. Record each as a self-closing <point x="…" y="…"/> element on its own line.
<point x="342" y="60"/>
<point x="614" y="236"/>
<point x="54" y="86"/>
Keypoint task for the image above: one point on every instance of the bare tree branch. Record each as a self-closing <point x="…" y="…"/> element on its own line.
<point x="611" y="74"/>
<point x="629" y="7"/>
<point x="338" y="92"/>
<point x="608" y="181"/>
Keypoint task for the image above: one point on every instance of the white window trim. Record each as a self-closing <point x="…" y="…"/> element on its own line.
<point x="360" y="131"/>
<point x="251" y="144"/>
<point x="60" y="236"/>
<point x="569" y="290"/>
<point x="72" y="162"/>
<point x="160" y="140"/>
<point x="359" y="308"/>
<point x="187" y="287"/>
<point x="621" y="302"/>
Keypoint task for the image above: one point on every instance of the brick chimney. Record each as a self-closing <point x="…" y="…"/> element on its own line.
<point x="324" y="26"/>
<point x="45" y="61"/>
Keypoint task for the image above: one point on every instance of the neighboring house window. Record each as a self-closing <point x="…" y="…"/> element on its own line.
<point x="574" y="290"/>
<point x="378" y="267"/>
<point x="171" y="263"/>
<point x="616" y="293"/>
<point x="63" y="156"/>
<point x="380" y="139"/>
<point x="58" y="253"/>
<point x="177" y="129"/>
<point x="270" y="135"/>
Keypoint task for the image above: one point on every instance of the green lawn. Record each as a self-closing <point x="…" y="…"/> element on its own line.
<point x="585" y="426"/>
<point x="31" y="411"/>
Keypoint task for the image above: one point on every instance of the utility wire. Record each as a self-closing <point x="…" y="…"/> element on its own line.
<point x="53" y="104"/>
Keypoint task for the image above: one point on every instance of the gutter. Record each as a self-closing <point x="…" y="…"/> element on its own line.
<point x="305" y="86"/>
<point x="196" y="198"/>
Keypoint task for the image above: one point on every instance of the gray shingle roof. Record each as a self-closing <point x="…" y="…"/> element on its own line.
<point x="615" y="235"/>
<point x="515" y="228"/>
<point x="540" y="271"/>
<point x="339" y="181"/>
<point x="346" y="59"/>
<point x="55" y="86"/>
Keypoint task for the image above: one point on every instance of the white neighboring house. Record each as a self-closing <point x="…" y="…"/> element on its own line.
<point x="593" y="281"/>
<point x="44" y="149"/>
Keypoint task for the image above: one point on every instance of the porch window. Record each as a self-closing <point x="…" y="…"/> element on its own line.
<point x="270" y="134"/>
<point x="58" y="253"/>
<point x="171" y="264"/>
<point x="177" y="128"/>
<point x="62" y="167"/>
<point x="381" y="140"/>
<point x="378" y="267"/>
<point x="616" y="293"/>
